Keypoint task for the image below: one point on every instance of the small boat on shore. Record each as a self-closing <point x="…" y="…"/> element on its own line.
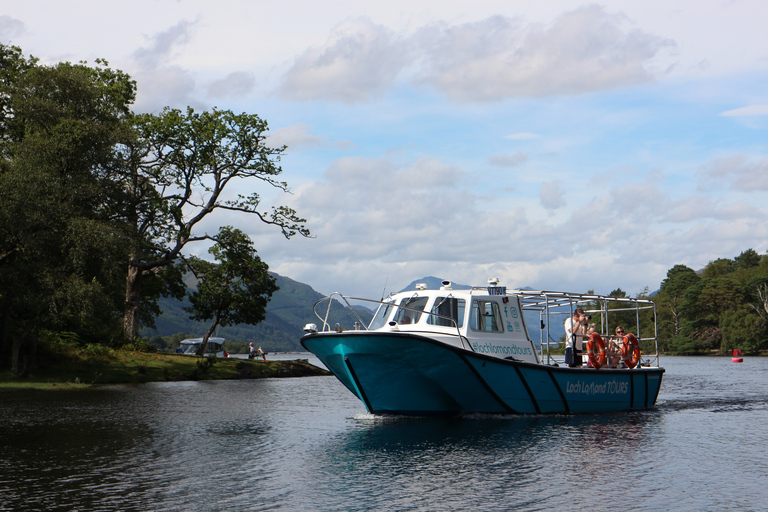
<point x="451" y="352"/>
<point x="736" y="357"/>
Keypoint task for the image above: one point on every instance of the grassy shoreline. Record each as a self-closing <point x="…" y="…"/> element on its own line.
<point x="128" y="367"/>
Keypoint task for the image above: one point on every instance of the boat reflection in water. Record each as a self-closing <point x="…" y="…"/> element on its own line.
<point x="449" y="351"/>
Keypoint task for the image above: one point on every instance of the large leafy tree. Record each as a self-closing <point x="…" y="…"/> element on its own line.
<point x="235" y="289"/>
<point x="181" y="169"/>
<point x="59" y="126"/>
<point x="672" y="292"/>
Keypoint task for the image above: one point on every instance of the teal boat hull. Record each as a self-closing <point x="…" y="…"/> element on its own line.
<point x="410" y="374"/>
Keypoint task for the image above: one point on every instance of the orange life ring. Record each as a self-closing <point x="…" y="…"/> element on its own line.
<point x="595" y="343"/>
<point x="630" y="351"/>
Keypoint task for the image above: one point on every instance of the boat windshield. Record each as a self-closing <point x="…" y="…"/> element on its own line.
<point x="445" y="309"/>
<point x="410" y="310"/>
<point x="380" y="318"/>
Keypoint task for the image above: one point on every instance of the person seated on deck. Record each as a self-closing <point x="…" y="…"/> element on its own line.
<point x="576" y="331"/>
<point x="614" y="348"/>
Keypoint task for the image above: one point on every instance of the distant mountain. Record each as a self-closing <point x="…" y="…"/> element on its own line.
<point x="287" y="313"/>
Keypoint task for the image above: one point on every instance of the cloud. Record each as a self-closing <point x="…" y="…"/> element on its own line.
<point x="160" y="82"/>
<point x="582" y="51"/>
<point x="163" y="45"/>
<point x="521" y="136"/>
<point x="234" y="85"/>
<point x="738" y="172"/>
<point x="374" y="219"/>
<point x="751" y="110"/>
<point x="551" y="196"/>
<point x="10" y="28"/>
<point x="297" y="136"/>
<point x="359" y="60"/>
<point x="507" y="160"/>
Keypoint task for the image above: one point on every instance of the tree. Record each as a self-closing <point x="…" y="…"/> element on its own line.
<point x="236" y="289"/>
<point x="671" y="294"/>
<point x="744" y="330"/>
<point x="178" y="168"/>
<point x="719" y="267"/>
<point x="756" y="291"/>
<point x="58" y="129"/>
<point x="747" y="259"/>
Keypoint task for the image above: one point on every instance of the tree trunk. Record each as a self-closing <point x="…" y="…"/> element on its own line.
<point x="204" y="344"/>
<point x="18" y="341"/>
<point x="5" y="329"/>
<point x="132" y="299"/>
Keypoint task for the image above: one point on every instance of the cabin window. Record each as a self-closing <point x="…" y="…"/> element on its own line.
<point x="446" y="311"/>
<point x="380" y="318"/>
<point x="410" y="310"/>
<point x="486" y="316"/>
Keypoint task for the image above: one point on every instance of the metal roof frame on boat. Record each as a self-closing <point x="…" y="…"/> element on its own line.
<point x="552" y="303"/>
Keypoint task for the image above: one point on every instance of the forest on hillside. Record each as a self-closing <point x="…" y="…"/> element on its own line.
<point x="722" y="307"/>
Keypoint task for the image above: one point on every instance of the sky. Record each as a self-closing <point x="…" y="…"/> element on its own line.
<point x="559" y="145"/>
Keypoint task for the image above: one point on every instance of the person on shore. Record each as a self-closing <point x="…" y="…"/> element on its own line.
<point x="253" y="353"/>
<point x="576" y="331"/>
<point x="261" y="353"/>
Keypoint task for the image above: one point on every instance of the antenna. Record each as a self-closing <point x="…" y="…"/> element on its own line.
<point x="384" y="291"/>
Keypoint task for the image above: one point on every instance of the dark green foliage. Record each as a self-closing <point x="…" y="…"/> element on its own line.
<point x="59" y="249"/>
<point x="233" y="290"/>
<point x="724" y="310"/>
<point x="743" y="329"/>
<point x="747" y="259"/>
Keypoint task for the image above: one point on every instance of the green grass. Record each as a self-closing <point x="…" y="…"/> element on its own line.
<point x="76" y="371"/>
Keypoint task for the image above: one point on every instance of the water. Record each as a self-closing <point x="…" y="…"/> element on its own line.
<point x="307" y="444"/>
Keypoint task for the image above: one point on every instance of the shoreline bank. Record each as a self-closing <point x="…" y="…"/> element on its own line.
<point x="143" y="367"/>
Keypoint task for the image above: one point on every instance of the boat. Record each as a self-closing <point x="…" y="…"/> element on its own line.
<point x="215" y="347"/>
<point x="736" y="357"/>
<point x="450" y="352"/>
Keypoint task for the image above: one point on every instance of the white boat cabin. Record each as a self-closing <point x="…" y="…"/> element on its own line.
<point x="487" y="319"/>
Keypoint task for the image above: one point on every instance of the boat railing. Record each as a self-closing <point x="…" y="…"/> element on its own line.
<point x="329" y="300"/>
<point x="551" y="305"/>
<point x="326" y="326"/>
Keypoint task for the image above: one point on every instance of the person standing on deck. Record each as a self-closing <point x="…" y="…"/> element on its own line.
<point x="576" y="330"/>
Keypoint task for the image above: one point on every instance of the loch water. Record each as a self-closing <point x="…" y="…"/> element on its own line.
<point x="301" y="444"/>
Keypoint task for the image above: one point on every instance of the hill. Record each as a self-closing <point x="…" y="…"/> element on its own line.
<point x="287" y="313"/>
